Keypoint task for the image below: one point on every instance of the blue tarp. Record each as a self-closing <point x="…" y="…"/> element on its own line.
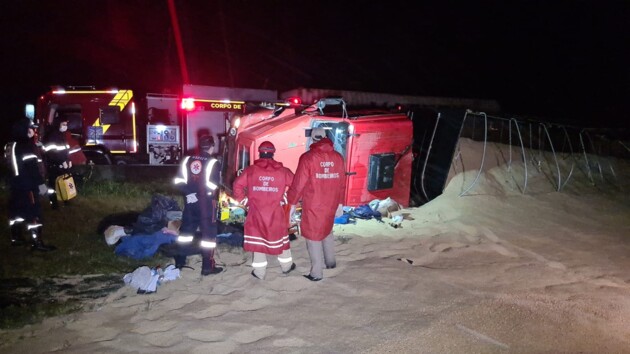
<point x="142" y="246"/>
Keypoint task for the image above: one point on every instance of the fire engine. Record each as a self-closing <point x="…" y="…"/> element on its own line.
<point x="114" y="126"/>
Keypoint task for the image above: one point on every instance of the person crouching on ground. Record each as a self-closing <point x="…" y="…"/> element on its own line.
<point x="198" y="180"/>
<point x="266" y="227"/>
<point x="25" y="183"/>
<point x="320" y="181"/>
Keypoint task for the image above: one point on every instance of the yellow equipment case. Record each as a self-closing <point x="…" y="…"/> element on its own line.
<point x="65" y="187"/>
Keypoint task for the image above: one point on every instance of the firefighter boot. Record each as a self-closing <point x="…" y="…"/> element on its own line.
<point x="208" y="266"/>
<point x="16" y="235"/>
<point x="180" y="261"/>
<point x="36" y="241"/>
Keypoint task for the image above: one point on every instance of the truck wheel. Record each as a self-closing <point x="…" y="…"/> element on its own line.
<point x="98" y="157"/>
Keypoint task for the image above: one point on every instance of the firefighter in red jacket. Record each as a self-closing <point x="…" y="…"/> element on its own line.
<point x="25" y="183"/>
<point x="266" y="227"/>
<point x="198" y="181"/>
<point x="320" y="182"/>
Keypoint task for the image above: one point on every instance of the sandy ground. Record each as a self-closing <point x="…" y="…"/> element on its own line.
<point x="492" y="271"/>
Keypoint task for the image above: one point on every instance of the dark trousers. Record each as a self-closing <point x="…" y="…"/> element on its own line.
<point x="25" y="204"/>
<point x="202" y="215"/>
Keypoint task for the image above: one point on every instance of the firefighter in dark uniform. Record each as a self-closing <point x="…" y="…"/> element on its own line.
<point x="25" y="183"/>
<point x="198" y="180"/>
<point x="57" y="154"/>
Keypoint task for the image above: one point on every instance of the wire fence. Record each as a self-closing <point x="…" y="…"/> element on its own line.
<point x="544" y="145"/>
<point x="558" y="151"/>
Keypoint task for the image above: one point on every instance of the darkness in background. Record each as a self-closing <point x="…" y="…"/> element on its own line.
<point x="557" y="61"/>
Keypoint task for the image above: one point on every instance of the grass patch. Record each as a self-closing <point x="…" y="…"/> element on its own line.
<point x="81" y="250"/>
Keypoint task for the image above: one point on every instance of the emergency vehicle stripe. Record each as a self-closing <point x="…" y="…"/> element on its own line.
<point x="209" y="183"/>
<point x="184" y="178"/>
<point x="208" y="244"/>
<point x="259" y="264"/>
<point x="121" y="99"/>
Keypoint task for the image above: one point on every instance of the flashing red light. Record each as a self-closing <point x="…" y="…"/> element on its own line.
<point x="294" y="101"/>
<point x="188" y="104"/>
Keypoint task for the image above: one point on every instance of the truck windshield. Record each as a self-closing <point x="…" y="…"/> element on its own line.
<point x="338" y="133"/>
<point x="243" y="157"/>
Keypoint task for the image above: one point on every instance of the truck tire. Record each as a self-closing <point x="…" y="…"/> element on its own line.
<point x="98" y="156"/>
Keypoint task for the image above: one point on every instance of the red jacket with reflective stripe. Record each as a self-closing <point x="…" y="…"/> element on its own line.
<point x="266" y="226"/>
<point x="320" y="181"/>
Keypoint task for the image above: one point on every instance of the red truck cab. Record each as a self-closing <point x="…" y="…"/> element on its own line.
<point x="375" y="144"/>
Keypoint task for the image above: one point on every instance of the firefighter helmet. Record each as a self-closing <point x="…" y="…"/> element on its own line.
<point x="266" y="148"/>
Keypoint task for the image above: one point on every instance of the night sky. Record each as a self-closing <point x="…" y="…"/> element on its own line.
<point x="558" y="61"/>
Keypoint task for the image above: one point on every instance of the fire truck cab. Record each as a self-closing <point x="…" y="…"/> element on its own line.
<point x="102" y="121"/>
<point x="375" y="143"/>
<point x="114" y="126"/>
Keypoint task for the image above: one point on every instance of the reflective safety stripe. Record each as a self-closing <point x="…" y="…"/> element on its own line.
<point x="28" y="157"/>
<point x="56" y="147"/>
<point x="259" y="264"/>
<point x="255" y="240"/>
<point x="209" y="183"/>
<point x="33" y="226"/>
<point x="208" y="244"/>
<point x="285" y="260"/>
<point x="182" y="238"/>
<point x="74" y="150"/>
<point x="14" y="160"/>
<point x="184" y="172"/>
<point x="51" y="191"/>
<point x="16" y="220"/>
<point x="284" y="199"/>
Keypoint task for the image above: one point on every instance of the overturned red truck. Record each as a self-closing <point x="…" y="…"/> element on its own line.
<point x="375" y="143"/>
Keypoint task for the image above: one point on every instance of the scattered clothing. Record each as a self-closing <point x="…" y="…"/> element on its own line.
<point x="146" y="279"/>
<point x="365" y="212"/>
<point x="344" y="219"/>
<point x="156" y="215"/>
<point x="113" y="234"/>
